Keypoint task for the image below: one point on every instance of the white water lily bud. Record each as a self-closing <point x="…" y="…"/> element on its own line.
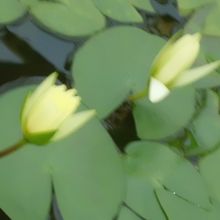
<point x="171" y="68"/>
<point x="175" y="58"/>
<point x="49" y="112"/>
<point x="157" y="90"/>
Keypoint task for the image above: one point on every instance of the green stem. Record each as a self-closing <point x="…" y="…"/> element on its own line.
<point x="139" y="95"/>
<point x="13" y="148"/>
<point x="142" y="94"/>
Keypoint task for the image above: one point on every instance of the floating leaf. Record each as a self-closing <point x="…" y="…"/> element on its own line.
<point x="126" y="214"/>
<point x="25" y="187"/>
<point x="112" y="64"/>
<point x="120" y="10"/>
<point x="210" y="47"/>
<point x="159" y="120"/>
<point x="177" y="208"/>
<point x="84" y="168"/>
<point x="89" y="180"/>
<point x="197" y="20"/>
<point x="141" y="197"/>
<point x="206" y="126"/>
<point x="142" y="4"/>
<point x="209" y="168"/>
<point x="212" y="25"/>
<point x="69" y="18"/>
<point x="29" y="3"/>
<point x="11" y="10"/>
<point x="187" y="6"/>
<point x="151" y="166"/>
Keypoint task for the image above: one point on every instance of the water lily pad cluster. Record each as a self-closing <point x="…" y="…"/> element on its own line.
<point x="73" y="18"/>
<point x="170" y="170"/>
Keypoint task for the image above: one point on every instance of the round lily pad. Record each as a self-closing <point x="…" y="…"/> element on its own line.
<point x="120" y="10"/>
<point x="69" y="18"/>
<point x="85" y="170"/>
<point x="112" y="64"/>
<point x="162" y="119"/>
<point x="11" y="10"/>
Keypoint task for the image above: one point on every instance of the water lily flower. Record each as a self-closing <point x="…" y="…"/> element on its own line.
<point x="171" y="68"/>
<point x="49" y="114"/>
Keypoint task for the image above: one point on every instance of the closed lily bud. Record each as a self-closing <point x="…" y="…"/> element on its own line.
<point x="175" y="58"/>
<point x="171" y="68"/>
<point x="49" y="114"/>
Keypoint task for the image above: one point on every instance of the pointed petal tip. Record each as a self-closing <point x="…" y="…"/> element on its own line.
<point x="75" y="122"/>
<point x="157" y="91"/>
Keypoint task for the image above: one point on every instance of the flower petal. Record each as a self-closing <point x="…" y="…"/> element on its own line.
<point x="157" y="90"/>
<point x="73" y="123"/>
<point x="32" y="98"/>
<point x="52" y="109"/>
<point x="195" y="74"/>
<point x="176" y="57"/>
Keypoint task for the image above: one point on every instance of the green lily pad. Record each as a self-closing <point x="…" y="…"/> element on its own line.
<point x="209" y="168"/>
<point x="25" y="187"/>
<point x="205" y="128"/>
<point x="29" y="3"/>
<point x="85" y="170"/>
<point x="141" y="197"/>
<point x="211" y="26"/>
<point x="120" y="10"/>
<point x="69" y="18"/>
<point x="142" y="4"/>
<point x="89" y="180"/>
<point x="177" y="208"/>
<point x="210" y="47"/>
<point x="197" y="20"/>
<point x="159" y="120"/>
<point x="152" y="166"/>
<point x="112" y="64"/>
<point x="187" y="6"/>
<point x="126" y="214"/>
<point x="10" y="11"/>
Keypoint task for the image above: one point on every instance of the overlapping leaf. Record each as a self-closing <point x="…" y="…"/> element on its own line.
<point x="142" y="4"/>
<point x="159" y="120"/>
<point x="112" y="64"/>
<point x="120" y="10"/>
<point x="178" y="208"/>
<point x="152" y="167"/>
<point x="187" y="6"/>
<point x="209" y="168"/>
<point x="11" y="10"/>
<point x="206" y="126"/>
<point x="69" y="18"/>
<point x="85" y="170"/>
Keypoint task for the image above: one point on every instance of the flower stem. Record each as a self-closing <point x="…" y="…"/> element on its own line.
<point x="12" y="148"/>
<point x="139" y="95"/>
